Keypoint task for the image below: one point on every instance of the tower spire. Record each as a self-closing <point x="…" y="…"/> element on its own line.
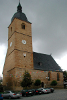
<point x="19" y="7"/>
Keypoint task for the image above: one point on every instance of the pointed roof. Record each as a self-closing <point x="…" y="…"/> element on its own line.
<point x="19" y="14"/>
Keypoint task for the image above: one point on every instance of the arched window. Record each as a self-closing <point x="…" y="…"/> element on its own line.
<point x="49" y="74"/>
<point x="23" y="26"/>
<point x="57" y="76"/>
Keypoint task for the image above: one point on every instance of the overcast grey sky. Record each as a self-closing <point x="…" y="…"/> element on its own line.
<point x="49" y="27"/>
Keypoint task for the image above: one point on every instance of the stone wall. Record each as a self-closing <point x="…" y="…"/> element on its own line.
<point x="16" y="76"/>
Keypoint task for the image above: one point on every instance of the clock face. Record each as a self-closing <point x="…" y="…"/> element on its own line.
<point x="10" y="44"/>
<point x="23" y="41"/>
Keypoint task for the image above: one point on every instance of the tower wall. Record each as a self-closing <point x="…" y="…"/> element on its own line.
<point x="19" y="54"/>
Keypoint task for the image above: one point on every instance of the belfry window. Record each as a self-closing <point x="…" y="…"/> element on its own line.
<point x="23" y="26"/>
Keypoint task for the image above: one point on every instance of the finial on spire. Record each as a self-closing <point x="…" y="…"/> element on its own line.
<point x="19" y="2"/>
<point x="19" y="7"/>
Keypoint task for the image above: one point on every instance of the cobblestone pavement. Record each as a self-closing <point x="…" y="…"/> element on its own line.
<point x="59" y="94"/>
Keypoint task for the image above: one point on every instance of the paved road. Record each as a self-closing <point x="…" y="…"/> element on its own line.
<point x="60" y="94"/>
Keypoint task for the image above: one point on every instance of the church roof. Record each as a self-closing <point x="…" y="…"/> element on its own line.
<point x="45" y="62"/>
<point x="19" y="14"/>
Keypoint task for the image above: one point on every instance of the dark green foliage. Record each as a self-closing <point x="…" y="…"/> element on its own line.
<point x="27" y="81"/>
<point x="37" y="82"/>
<point x="65" y="75"/>
<point x="54" y="83"/>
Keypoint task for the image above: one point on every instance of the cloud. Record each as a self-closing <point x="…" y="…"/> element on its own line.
<point x="62" y="62"/>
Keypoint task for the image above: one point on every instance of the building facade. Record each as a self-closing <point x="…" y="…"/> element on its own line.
<point x="20" y="56"/>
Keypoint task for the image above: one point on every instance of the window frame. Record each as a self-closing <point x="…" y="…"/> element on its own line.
<point x="23" y="26"/>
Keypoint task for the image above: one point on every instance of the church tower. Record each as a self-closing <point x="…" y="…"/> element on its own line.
<point x="20" y="57"/>
<point x="19" y="53"/>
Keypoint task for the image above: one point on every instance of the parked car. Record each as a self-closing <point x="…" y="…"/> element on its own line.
<point x="1" y="97"/>
<point x="27" y="92"/>
<point x="51" y="89"/>
<point x="44" y="90"/>
<point x="38" y="91"/>
<point x="10" y="94"/>
<point x="33" y="90"/>
<point x="48" y="90"/>
<point x="30" y="92"/>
